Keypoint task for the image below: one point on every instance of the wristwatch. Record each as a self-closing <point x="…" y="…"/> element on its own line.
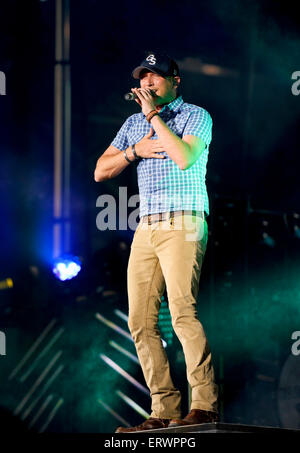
<point x="134" y="152"/>
<point x="126" y="157"/>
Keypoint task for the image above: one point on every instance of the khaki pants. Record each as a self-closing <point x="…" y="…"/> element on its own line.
<point x="169" y="254"/>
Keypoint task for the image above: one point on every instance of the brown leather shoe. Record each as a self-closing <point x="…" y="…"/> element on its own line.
<point x="196" y="417"/>
<point x="151" y="423"/>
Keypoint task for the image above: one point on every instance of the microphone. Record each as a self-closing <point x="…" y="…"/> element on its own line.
<point x="132" y="96"/>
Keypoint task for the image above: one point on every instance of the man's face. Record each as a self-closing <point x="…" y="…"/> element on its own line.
<point x="164" y="87"/>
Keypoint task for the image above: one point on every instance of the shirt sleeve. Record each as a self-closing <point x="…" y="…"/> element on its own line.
<point x="199" y="123"/>
<point x="121" y="139"/>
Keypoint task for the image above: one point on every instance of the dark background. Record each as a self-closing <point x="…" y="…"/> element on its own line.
<point x="249" y="291"/>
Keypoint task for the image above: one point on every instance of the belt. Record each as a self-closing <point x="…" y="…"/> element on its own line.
<point x="153" y="218"/>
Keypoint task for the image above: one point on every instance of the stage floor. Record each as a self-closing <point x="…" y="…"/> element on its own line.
<point x="221" y="428"/>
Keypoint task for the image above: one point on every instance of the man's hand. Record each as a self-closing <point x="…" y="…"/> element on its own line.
<point x="144" y="99"/>
<point x="147" y="148"/>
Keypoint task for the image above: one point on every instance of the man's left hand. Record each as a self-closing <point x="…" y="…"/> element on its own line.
<point x="144" y="99"/>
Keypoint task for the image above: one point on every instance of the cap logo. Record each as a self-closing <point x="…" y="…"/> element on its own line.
<point x="151" y="59"/>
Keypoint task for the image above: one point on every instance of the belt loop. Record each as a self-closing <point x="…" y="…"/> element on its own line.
<point x="171" y="218"/>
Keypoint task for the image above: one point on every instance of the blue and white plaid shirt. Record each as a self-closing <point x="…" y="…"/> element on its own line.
<point x="163" y="186"/>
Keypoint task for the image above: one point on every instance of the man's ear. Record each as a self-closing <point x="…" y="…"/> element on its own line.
<point x="176" y="81"/>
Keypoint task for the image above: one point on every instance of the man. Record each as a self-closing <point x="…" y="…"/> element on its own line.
<point x="169" y="139"/>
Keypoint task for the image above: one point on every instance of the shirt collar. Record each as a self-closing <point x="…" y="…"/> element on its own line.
<point x="173" y="105"/>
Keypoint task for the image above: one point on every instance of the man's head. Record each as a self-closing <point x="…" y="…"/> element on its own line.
<point x="159" y="73"/>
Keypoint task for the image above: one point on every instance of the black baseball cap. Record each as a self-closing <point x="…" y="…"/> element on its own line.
<point x="157" y="62"/>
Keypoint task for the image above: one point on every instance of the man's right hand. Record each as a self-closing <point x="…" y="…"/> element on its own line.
<point x="112" y="162"/>
<point x="147" y="148"/>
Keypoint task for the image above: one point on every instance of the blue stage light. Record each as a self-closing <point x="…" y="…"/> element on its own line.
<point x="66" y="267"/>
<point x="268" y="240"/>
